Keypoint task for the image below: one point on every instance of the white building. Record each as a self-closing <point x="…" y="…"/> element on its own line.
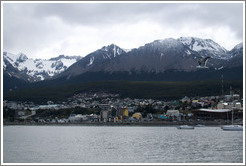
<point x="173" y="113"/>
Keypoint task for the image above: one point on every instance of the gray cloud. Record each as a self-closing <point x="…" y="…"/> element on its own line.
<point x="71" y="28"/>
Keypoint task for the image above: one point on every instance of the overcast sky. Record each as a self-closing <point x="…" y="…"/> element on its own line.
<point x="45" y="30"/>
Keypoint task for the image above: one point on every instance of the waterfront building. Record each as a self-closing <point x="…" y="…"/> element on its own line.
<point x="238" y="105"/>
<point x="104" y="114"/>
<point x="231" y="105"/>
<point x="211" y="114"/>
<point x="216" y="114"/>
<point x="173" y="113"/>
<point x="137" y="115"/>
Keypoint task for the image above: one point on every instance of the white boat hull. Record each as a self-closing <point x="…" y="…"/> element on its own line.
<point x="232" y="128"/>
<point x="185" y="127"/>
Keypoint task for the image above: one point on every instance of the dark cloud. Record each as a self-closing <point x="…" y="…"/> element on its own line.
<point x="32" y="27"/>
<point x="97" y="14"/>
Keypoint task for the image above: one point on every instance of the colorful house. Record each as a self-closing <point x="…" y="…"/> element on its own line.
<point x="137" y="116"/>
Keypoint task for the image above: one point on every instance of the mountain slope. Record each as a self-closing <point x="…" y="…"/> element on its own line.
<point x="237" y="57"/>
<point x="95" y="61"/>
<point x="158" y="56"/>
<point x="11" y="83"/>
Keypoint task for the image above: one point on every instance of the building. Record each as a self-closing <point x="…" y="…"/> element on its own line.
<point x="185" y="99"/>
<point x="122" y="113"/>
<point x="20" y="113"/>
<point x="137" y="116"/>
<point x="238" y="105"/>
<point x="105" y="114"/>
<point x="231" y="105"/>
<point x="173" y="113"/>
<point x="113" y="112"/>
<point x="12" y="105"/>
<point x="212" y="114"/>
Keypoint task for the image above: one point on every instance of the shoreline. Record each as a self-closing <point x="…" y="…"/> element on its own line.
<point x="167" y="124"/>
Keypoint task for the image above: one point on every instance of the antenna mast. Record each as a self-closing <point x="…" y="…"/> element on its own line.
<point x="222" y="84"/>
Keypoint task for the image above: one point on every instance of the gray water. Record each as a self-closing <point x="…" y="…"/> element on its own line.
<point x="105" y="144"/>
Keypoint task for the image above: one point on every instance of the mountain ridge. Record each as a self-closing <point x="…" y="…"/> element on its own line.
<point x="157" y="56"/>
<point x="167" y="58"/>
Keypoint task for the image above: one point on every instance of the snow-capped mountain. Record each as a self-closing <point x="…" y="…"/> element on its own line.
<point x="236" y="56"/>
<point x="31" y="70"/>
<point x="157" y="56"/>
<point x="205" y="47"/>
<point x="237" y="50"/>
<point x="95" y="61"/>
<point x="160" y="56"/>
<point x="180" y="54"/>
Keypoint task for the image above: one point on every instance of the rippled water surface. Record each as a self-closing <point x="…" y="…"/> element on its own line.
<point x="104" y="144"/>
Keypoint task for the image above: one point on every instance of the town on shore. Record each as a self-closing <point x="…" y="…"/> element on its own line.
<point x="104" y="108"/>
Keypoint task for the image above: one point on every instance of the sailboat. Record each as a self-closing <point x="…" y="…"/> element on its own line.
<point x="232" y="127"/>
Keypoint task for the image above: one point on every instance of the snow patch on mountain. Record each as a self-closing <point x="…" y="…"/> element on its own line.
<point x="168" y="43"/>
<point x="111" y="51"/>
<point x="4" y="65"/>
<point x="205" y="47"/>
<point x="38" y="69"/>
<point x="127" y="50"/>
<point x="188" y="52"/>
<point x="198" y="44"/>
<point x="91" y="61"/>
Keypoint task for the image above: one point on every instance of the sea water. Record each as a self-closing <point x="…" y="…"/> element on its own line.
<point x="120" y="144"/>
